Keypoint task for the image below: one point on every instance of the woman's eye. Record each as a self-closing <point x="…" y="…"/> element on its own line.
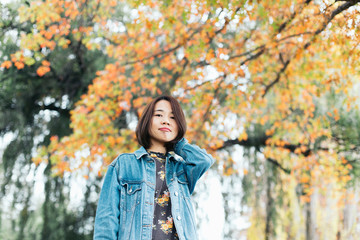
<point x="172" y="117"/>
<point x="158" y="115"/>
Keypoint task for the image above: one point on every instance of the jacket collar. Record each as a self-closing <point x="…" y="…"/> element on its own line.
<point x="142" y="151"/>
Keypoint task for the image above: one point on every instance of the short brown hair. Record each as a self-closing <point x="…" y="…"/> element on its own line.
<point x="143" y="126"/>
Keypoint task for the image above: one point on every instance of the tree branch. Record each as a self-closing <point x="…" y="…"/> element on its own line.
<point x="337" y="11"/>
<point x="278" y="75"/>
<point x="277" y="164"/>
<point x="260" y="141"/>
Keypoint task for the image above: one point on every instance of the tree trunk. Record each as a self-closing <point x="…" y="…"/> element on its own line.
<point x="350" y="214"/>
<point x="270" y="203"/>
<point x="311" y="224"/>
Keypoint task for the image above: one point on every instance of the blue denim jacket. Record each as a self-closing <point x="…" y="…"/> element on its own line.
<point x="126" y="204"/>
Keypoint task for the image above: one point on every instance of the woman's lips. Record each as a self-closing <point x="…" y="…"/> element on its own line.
<point x="165" y="129"/>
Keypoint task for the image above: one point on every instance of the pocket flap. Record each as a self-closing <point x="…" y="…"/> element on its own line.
<point x="181" y="177"/>
<point x="131" y="188"/>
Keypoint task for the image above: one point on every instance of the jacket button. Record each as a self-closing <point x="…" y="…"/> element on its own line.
<point x="176" y="193"/>
<point x="178" y="218"/>
<point x="130" y="190"/>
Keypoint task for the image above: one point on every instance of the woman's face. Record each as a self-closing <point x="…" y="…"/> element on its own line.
<point x="163" y="127"/>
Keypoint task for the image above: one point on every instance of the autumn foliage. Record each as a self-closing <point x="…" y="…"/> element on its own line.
<point x="268" y="63"/>
<point x="235" y="66"/>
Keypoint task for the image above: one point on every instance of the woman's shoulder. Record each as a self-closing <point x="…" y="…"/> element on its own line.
<point x="123" y="157"/>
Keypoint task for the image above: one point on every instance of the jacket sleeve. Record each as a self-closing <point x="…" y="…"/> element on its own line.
<point x="108" y="212"/>
<point x="197" y="161"/>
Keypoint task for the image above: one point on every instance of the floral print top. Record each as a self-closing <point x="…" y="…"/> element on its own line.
<point x="163" y="224"/>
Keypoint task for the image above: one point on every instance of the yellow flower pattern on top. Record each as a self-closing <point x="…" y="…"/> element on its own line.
<point x="163" y="223"/>
<point x="167" y="226"/>
<point x="161" y="175"/>
<point x="164" y="199"/>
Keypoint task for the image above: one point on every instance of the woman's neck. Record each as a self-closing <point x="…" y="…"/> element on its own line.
<point x="157" y="148"/>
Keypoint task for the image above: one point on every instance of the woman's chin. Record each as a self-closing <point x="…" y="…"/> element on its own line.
<point x="167" y="139"/>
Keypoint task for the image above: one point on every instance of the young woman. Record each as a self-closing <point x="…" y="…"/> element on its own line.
<point x="146" y="194"/>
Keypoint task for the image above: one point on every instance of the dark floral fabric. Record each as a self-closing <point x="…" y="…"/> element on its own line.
<point x="163" y="224"/>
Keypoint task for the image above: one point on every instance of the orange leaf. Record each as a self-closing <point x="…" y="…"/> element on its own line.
<point x="349" y="166"/>
<point x="6" y="64"/>
<point x="305" y="179"/>
<point x="45" y="63"/>
<point x="54" y="138"/>
<point x="42" y="70"/>
<point x="112" y="141"/>
<point x="19" y="65"/>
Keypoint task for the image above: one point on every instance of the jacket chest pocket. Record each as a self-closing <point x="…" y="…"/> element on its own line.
<point x="183" y="184"/>
<point x="130" y="195"/>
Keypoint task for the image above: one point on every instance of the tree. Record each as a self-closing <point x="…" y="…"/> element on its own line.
<point x="249" y="73"/>
<point x="35" y="107"/>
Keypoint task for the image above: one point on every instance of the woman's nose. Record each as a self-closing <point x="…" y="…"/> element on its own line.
<point x="165" y="121"/>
